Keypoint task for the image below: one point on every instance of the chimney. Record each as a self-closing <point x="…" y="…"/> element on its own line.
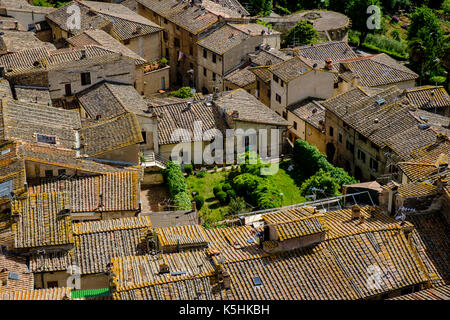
<point x="138" y="30"/>
<point x="356" y="212"/>
<point x="328" y="63"/>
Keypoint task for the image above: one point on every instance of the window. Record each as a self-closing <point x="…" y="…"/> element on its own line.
<point x="362" y="138"/>
<point x="165" y="35"/>
<point x="340" y="137"/>
<point x="167" y="53"/>
<point x="191" y="51"/>
<point x="68" y="89"/>
<point x="85" y="78"/>
<point x="144" y="136"/>
<point x="61" y="172"/>
<point x="336" y="85"/>
<point x="214" y="58"/>
<point x="278" y="98"/>
<point x="374" y="164"/>
<point x="257" y="282"/>
<point x="285" y="114"/>
<point x="52" y="284"/>
<point x="331" y="131"/>
<point x="191" y="66"/>
<point x="126" y="41"/>
<point x="214" y="76"/>
<point x="49" y="173"/>
<point x="176" y="42"/>
<point x="275" y="78"/>
<point x="361" y="156"/>
<point x="345" y="125"/>
<point x="269" y="93"/>
<point x="177" y="27"/>
<point x="295" y="125"/>
<point x="205" y="53"/>
<point x="165" y="20"/>
<point x="282" y="83"/>
<point x="45" y="139"/>
<point x="204" y="71"/>
<point x="258" y="86"/>
<point x="350" y="146"/>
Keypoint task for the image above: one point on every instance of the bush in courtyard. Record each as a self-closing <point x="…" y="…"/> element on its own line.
<point x="199" y="201"/>
<point x="237" y="205"/>
<point x="188" y="169"/>
<point x="216" y="190"/>
<point x="231" y="194"/>
<point x="245" y="183"/>
<point x="226" y="187"/>
<point x="182" y="201"/>
<point x="174" y="179"/>
<point x="222" y="197"/>
<point x="201" y="174"/>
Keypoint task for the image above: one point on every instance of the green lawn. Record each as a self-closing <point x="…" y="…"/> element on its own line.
<point x="204" y="186"/>
<point x="291" y="192"/>
<point x="217" y="212"/>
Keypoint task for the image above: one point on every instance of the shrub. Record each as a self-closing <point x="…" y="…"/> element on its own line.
<point x="201" y="174"/>
<point x="174" y="179"/>
<point x="255" y="167"/>
<point x="216" y="190"/>
<point x="226" y="187"/>
<point x="267" y="196"/>
<point x="199" y="201"/>
<point x="386" y="44"/>
<point x="188" y="169"/>
<point x="231" y="194"/>
<point x="237" y="205"/>
<point x="195" y="193"/>
<point x="245" y="183"/>
<point x="321" y="180"/>
<point x="182" y="201"/>
<point x="184" y="93"/>
<point x="222" y="197"/>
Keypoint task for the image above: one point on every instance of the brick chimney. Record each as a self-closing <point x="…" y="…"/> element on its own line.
<point x="356" y="212"/>
<point x="328" y="63"/>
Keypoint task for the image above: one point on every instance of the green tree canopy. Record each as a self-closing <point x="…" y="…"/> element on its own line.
<point x="425" y="43"/>
<point x="303" y="33"/>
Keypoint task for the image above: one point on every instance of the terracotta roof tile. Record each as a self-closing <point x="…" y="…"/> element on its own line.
<point x="38" y="222"/>
<point x="112" y="134"/>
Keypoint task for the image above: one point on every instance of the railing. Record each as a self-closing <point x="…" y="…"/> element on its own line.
<point x="314" y="203"/>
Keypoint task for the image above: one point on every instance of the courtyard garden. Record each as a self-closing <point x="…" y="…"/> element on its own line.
<point x="222" y="193"/>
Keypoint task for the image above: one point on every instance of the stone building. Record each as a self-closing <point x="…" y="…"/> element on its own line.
<point x="226" y="48"/>
<point x="185" y="23"/>
<point x="368" y="132"/>
<point x="138" y="34"/>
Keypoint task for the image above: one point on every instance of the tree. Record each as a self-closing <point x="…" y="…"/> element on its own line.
<point x="425" y="38"/>
<point x="446" y="6"/>
<point x="259" y="7"/>
<point x="308" y="160"/>
<point x="237" y="205"/>
<point x="357" y="12"/>
<point x="303" y="33"/>
<point x="321" y="180"/>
